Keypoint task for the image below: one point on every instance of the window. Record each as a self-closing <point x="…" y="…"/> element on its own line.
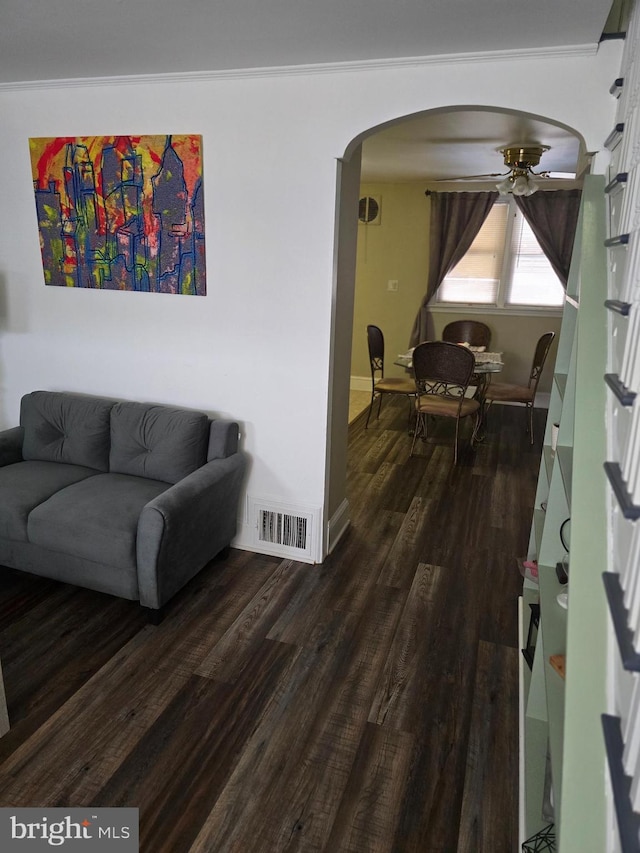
<point x="504" y="267"/>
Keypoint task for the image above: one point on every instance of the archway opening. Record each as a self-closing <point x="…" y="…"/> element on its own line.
<point x="381" y="263"/>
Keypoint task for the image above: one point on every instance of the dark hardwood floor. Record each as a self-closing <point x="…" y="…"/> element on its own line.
<point x="365" y="704"/>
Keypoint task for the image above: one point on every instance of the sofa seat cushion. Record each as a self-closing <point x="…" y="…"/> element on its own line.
<point x="25" y="485"/>
<point x="96" y="519"/>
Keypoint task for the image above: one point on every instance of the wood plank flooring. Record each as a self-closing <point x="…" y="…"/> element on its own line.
<point x="365" y="704"/>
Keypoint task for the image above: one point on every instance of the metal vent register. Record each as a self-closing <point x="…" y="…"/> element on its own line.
<point x="284" y="530"/>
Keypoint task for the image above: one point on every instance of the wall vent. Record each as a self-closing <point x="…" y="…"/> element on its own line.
<point x="284" y="530"/>
<point x="369" y="210"/>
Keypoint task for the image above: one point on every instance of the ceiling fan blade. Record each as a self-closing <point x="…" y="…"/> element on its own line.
<point x="472" y="177"/>
<point x="556" y="176"/>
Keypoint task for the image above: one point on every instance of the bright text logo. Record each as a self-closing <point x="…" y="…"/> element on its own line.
<point x="81" y="830"/>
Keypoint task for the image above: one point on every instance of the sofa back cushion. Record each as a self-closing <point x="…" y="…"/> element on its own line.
<point x="223" y="439"/>
<point x="157" y="442"/>
<point x="63" y="427"/>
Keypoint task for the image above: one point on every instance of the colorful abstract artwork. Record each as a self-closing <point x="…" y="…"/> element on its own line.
<point x="121" y="212"/>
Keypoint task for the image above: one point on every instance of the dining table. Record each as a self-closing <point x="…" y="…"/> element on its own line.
<point x="487" y="363"/>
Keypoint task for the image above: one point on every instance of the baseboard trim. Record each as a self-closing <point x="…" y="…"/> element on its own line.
<point x="541" y="402"/>
<point x="338" y="525"/>
<point x="360" y="383"/>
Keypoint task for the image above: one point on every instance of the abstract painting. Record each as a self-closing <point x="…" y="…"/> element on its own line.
<point x="121" y="212"/>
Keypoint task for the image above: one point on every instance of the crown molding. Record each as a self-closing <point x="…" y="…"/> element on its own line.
<point x="569" y="51"/>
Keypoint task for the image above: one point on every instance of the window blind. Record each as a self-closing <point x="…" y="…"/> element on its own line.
<point x="476" y="278"/>
<point x="533" y="281"/>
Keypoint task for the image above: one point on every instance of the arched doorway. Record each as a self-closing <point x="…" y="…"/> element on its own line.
<point x="422" y="150"/>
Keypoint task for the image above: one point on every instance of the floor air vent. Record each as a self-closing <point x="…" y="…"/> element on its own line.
<point x="282" y="530"/>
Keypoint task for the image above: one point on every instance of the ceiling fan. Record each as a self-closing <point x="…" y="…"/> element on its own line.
<point x="520" y="179"/>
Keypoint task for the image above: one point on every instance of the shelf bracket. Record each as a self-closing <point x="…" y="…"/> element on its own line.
<point x="616" y="87"/>
<point x="620" y="179"/>
<point x="614" y="137"/>
<point x="628" y="820"/>
<point x="619" y="307"/>
<point x="624" y="395"/>
<point x="618" y="240"/>
<point x="630" y="510"/>
<point x="615" y="598"/>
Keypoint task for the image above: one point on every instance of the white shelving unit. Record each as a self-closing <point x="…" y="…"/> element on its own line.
<point x="621" y="723"/>
<point x="569" y="476"/>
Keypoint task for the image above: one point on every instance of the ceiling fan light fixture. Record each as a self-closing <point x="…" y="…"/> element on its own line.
<point x="518" y="183"/>
<point x="504" y="187"/>
<point x="521" y="159"/>
<point x="523" y="156"/>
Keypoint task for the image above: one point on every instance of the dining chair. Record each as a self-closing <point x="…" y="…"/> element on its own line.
<point x="503" y="392"/>
<point x="442" y="373"/>
<point x="471" y="332"/>
<point x="381" y="385"/>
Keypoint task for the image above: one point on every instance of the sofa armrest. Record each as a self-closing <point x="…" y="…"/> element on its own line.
<point x="183" y="528"/>
<point x="11" y="445"/>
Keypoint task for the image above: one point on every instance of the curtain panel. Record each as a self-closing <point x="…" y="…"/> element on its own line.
<point x="553" y="217"/>
<point x="456" y="219"/>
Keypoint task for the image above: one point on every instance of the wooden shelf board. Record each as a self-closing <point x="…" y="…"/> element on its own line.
<point x="535" y="747"/>
<point x="539" y="516"/>
<point x="553" y="616"/>
<point x="553" y="619"/>
<point x="559" y="663"/>
<point x="565" y="457"/>
<point x="561" y="382"/>
<point x="549" y="457"/>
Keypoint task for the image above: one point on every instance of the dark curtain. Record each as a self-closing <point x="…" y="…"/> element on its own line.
<point x="553" y="217"/>
<point x="456" y="219"/>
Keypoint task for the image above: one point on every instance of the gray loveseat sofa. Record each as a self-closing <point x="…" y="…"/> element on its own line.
<point x="127" y="498"/>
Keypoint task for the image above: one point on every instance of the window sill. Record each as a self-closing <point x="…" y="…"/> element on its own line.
<point x="474" y="308"/>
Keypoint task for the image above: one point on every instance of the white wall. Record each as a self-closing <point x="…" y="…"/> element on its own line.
<point x="336" y="503"/>
<point x="257" y="347"/>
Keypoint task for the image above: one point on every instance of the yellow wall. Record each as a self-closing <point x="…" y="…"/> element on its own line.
<point x="394" y="250"/>
<point x="397" y="249"/>
<point x="515" y="337"/>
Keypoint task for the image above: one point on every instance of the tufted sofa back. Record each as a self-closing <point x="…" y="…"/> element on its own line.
<point x="157" y="442"/>
<point x="144" y="440"/>
<point x="60" y="427"/>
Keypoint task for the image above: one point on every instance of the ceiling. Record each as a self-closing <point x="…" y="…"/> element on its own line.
<point x="60" y="39"/>
<point x="70" y="39"/>
<point x="464" y="142"/>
